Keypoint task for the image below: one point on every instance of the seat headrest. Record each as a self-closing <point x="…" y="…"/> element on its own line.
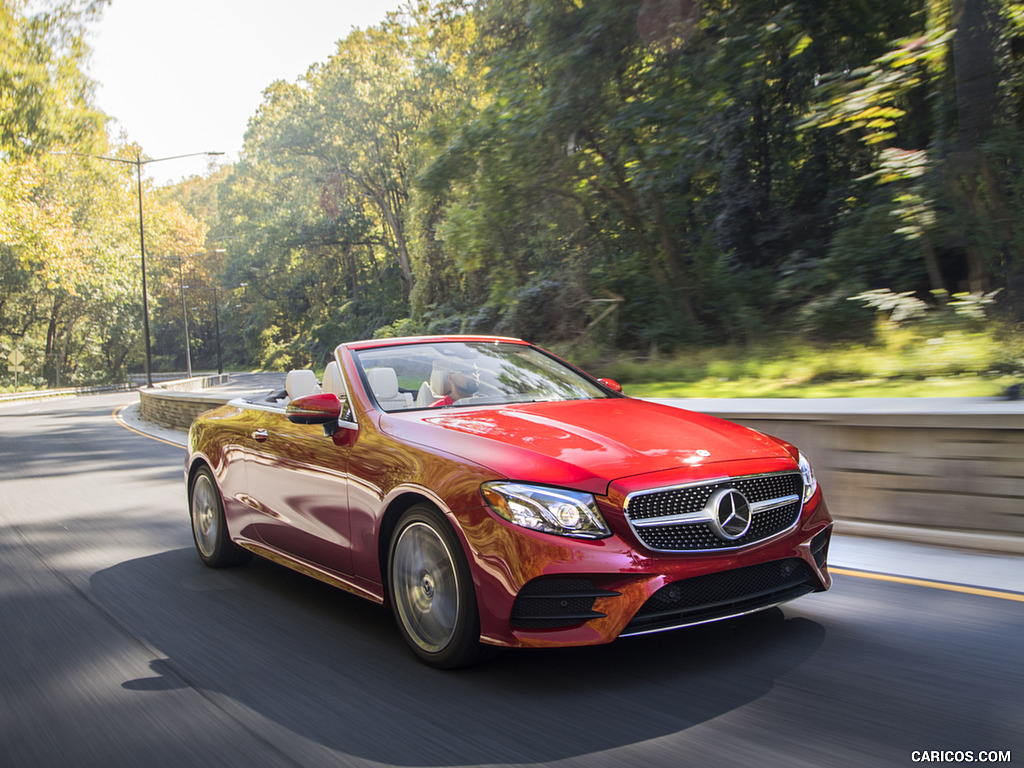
<point x="301" y="382"/>
<point x="438" y="382"/>
<point x="383" y="382"/>
<point x="333" y="382"/>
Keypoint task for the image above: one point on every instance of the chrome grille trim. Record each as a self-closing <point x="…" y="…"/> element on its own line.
<point x="698" y="622"/>
<point x="689" y="530"/>
<point x="702" y="516"/>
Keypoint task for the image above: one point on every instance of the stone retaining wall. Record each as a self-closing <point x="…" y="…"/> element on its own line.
<point x="176" y="403"/>
<point x="949" y="478"/>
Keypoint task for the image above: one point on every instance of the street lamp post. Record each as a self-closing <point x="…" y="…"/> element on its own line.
<point x="216" y="330"/>
<point x="216" y="319"/>
<point x="216" y="323"/>
<point x="184" y="317"/>
<point x="138" y="162"/>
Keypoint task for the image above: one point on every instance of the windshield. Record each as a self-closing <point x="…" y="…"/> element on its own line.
<point x="458" y="374"/>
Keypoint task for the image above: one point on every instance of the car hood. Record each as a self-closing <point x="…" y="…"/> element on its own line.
<point x="585" y="444"/>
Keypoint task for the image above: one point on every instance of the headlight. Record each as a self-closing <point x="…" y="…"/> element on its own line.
<point x="551" y="510"/>
<point x="810" y="483"/>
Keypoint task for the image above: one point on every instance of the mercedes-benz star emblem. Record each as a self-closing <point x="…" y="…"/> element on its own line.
<point x="729" y="511"/>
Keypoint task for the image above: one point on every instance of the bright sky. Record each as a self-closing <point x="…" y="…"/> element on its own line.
<point x="183" y="76"/>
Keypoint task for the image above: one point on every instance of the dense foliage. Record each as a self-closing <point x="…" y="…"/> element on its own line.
<point x="631" y="174"/>
<point x="71" y="299"/>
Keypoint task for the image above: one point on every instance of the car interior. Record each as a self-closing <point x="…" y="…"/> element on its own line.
<point x="383" y="383"/>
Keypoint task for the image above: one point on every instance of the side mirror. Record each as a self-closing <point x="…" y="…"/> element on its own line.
<point x="612" y="384"/>
<point x="314" y="409"/>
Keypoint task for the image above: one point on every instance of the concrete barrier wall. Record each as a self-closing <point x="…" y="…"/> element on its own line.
<point x="948" y="472"/>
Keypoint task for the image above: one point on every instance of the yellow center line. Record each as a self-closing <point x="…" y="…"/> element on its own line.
<point x="116" y="416"/>
<point x="1014" y="596"/>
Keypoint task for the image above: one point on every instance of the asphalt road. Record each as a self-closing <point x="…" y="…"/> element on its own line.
<point x="117" y="648"/>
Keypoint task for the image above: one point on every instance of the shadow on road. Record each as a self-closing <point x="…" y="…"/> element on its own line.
<point x="331" y="668"/>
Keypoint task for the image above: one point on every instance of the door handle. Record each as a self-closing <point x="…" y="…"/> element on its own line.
<point x="260" y="435"/>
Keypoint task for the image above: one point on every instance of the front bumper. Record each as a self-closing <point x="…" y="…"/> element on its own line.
<point x="536" y="590"/>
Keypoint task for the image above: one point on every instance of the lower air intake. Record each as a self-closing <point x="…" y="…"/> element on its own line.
<point x="550" y="603"/>
<point x="722" y="595"/>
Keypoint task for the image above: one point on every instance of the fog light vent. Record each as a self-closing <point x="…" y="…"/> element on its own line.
<point x="819" y="547"/>
<point x="553" y="603"/>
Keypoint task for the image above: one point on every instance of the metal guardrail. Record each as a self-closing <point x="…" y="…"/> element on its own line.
<point x="135" y="381"/>
<point x="40" y="394"/>
<point x="139" y="379"/>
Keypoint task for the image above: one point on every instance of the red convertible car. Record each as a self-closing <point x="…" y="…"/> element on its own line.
<point x="494" y="495"/>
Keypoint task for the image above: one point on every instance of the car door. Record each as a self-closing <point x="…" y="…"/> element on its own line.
<point x="298" y="488"/>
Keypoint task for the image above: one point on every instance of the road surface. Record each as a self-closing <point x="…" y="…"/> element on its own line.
<point x="118" y="648"/>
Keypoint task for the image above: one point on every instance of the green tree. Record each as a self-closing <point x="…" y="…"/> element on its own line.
<point x="718" y="171"/>
<point x="316" y="216"/>
<point x="69" y="262"/>
<point x="936" y="205"/>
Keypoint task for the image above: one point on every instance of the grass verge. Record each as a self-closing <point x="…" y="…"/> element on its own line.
<point x="903" y="363"/>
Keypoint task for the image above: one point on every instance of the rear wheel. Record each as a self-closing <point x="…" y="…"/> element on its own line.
<point x="209" y="526"/>
<point x="431" y="590"/>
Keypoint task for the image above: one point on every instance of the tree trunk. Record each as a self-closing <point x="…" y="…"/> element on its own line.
<point x="668" y="282"/>
<point x="51" y="366"/>
<point x="976" y="71"/>
<point x="395" y="225"/>
<point x="977" y="92"/>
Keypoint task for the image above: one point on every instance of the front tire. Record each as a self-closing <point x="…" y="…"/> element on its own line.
<point x="209" y="526"/>
<point x="431" y="590"/>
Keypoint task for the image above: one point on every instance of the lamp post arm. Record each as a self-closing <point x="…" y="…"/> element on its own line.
<point x="138" y="161"/>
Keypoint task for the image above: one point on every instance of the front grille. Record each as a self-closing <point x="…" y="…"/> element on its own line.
<point x="549" y="603"/>
<point x="724" y="594"/>
<point x="774" y="499"/>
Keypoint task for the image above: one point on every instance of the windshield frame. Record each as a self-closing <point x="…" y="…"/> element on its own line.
<point x="494" y="383"/>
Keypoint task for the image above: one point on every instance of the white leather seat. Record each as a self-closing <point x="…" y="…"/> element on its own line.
<point x="426" y="396"/>
<point x="333" y="382"/>
<point x="384" y="383"/>
<point x="301" y="382"/>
